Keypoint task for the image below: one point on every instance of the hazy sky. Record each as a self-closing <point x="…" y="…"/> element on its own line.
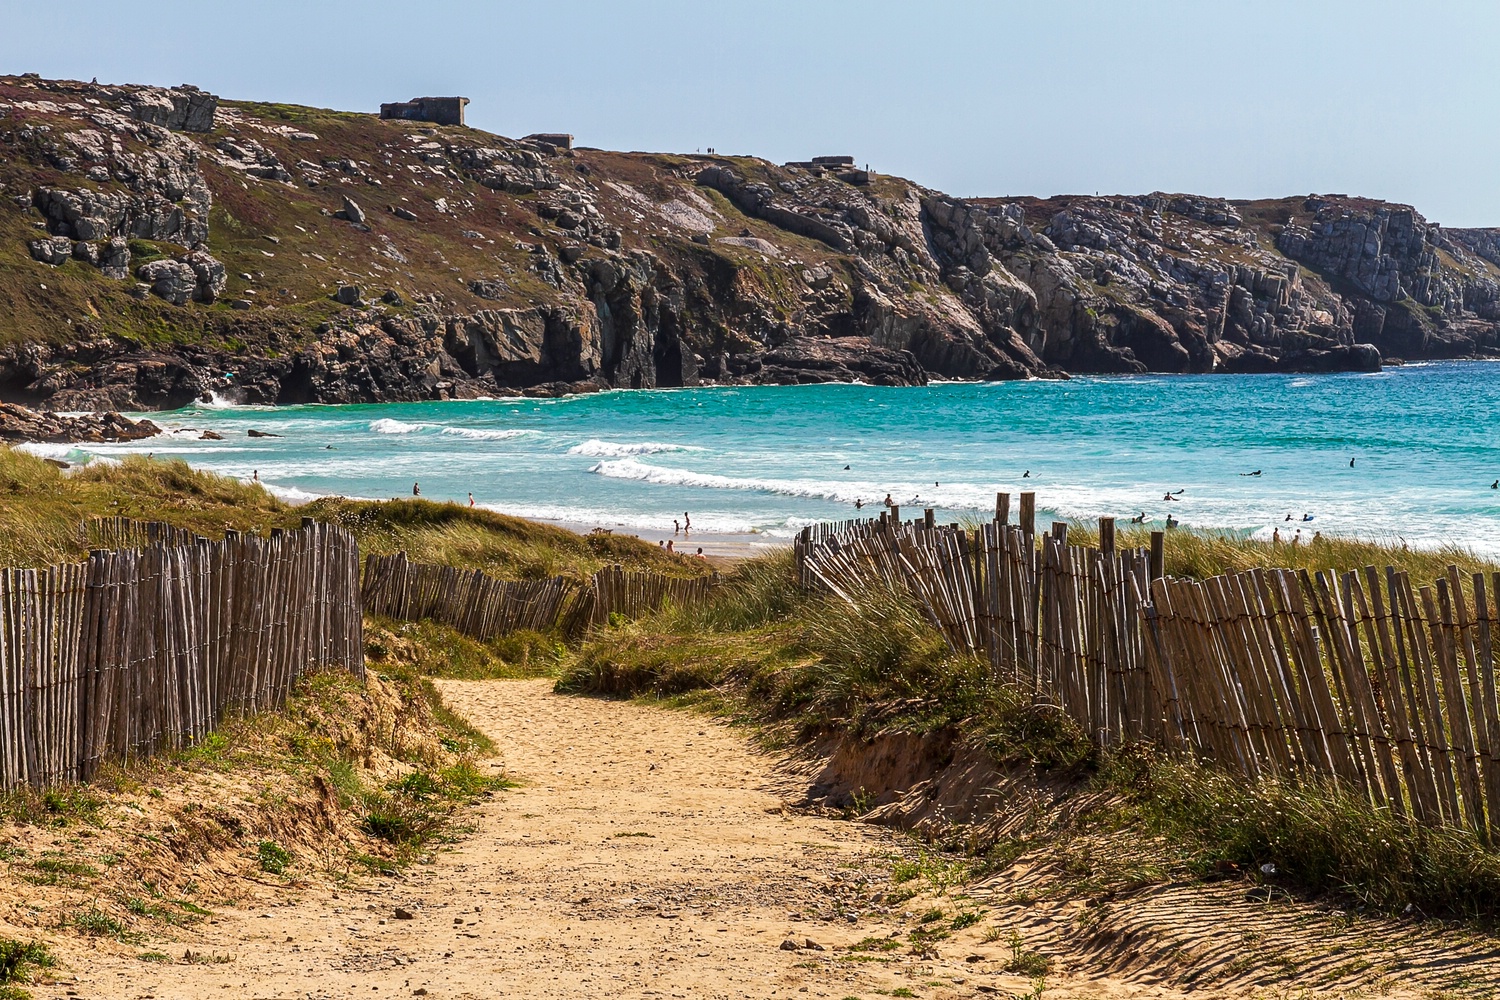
<point x="1240" y="99"/>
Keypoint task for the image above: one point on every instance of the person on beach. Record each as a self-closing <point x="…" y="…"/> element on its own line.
<point x="255" y="476"/>
<point x="1296" y="538"/>
<point x="687" y="524"/>
<point x="1276" y="536"/>
<point x="676" y="527"/>
<point x="670" y="550"/>
<point x="888" y="501"/>
<point x="1317" y="537"/>
<point x="471" y="499"/>
<point x="699" y="555"/>
<point x="416" y="489"/>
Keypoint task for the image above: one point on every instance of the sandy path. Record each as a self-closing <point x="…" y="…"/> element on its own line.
<point x="641" y="858"/>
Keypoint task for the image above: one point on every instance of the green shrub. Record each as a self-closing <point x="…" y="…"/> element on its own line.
<point x="273" y="857"/>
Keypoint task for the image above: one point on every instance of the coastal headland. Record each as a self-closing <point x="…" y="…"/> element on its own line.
<point x="160" y="245"/>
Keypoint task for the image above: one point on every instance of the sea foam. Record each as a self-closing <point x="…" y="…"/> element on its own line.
<point x="594" y="448"/>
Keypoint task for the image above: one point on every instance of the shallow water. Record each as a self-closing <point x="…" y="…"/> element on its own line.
<point x="769" y="459"/>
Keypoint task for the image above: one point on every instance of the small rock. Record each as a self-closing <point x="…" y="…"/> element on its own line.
<point x="812" y="945"/>
<point x="788" y="945"/>
<point x="419" y="992"/>
<point x="701" y="238"/>
<point x="404" y="213"/>
<point x="402" y="913"/>
<point x="352" y="211"/>
<point x="252" y="432"/>
<point x="240" y="304"/>
<point x="392" y="298"/>
<point x="211" y="436"/>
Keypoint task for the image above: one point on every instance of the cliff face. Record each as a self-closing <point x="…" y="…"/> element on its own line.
<point x="156" y="245"/>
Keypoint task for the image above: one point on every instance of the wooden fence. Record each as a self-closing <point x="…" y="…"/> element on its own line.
<point x="1355" y="676"/>
<point x="141" y="649"/>
<point x="468" y="600"/>
<point x="483" y="607"/>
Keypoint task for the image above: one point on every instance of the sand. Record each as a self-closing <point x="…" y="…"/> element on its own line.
<point x="644" y="855"/>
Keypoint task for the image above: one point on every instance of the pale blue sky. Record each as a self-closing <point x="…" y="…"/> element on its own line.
<point x="1391" y="100"/>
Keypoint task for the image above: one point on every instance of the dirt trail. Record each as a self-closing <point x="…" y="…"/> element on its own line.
<point x="642" y="857"/>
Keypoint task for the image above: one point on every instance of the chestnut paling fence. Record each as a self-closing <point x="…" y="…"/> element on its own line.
<point x="1361" y="676"/>
<point x="144" y="648"/>
<point x="484" y="607"/>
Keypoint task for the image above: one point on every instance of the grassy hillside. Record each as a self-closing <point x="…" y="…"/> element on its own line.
<point x="42" y="509"/>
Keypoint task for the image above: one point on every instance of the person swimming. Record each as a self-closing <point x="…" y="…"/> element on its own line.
<point x="1171" y="496"/>
<point x="1307" y="517"/>
<point x="1255" y="473"/>
<point x="1026" y="474"/>
<point x="1351" y="463"/>
<point x="1172" y="522"/>
<point x="1139" y="518"/>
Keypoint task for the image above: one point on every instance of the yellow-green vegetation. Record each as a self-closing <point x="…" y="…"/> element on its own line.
<point x="812" y="668"/>
<point x="19" y="960"/>
<point x="437" y="650"/>
<point x="43" y="507"/>
<point x="352" y="776"/>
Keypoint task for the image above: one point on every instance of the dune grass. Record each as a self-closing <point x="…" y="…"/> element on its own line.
<point x="42" y="509"/>
<point x="809" y="667"/>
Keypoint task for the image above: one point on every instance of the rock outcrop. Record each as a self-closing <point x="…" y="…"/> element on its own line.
<point x="18" y="423"/>
<point x="359" y="259"/>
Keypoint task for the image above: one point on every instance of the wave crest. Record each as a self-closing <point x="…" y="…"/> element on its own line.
<point x="385" y="425"/>
<point x="594" y="448"/>
<point x="479" y="434"/>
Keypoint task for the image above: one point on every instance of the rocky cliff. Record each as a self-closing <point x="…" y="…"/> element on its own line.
<point x="160" y="244"/>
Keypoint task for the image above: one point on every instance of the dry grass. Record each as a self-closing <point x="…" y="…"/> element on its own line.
<point x="42" y="508"/>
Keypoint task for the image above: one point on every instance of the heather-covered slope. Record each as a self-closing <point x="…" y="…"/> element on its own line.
<point x="156" y="245"/>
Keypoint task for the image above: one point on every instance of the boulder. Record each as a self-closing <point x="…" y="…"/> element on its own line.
<point x="352" y="211"/>
<point x="347" y="295"/>
<point x="169" y="279"/>
<point x="54" y="251"/>
<point x="208" y="275"/>
<point x="114" y="259"/>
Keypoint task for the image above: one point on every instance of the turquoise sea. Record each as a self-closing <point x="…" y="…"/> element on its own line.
<point x="1423" y="439"/>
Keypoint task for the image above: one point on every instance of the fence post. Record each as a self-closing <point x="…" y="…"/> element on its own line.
<point x="928" y="520"/>
<point x="895" y="515"/>
<point x="1158" y="554"/>
<point x="1060" y="531"/>
<point x="1002" y="509"/>
<point x="1028" y="513"/>
<point x="1106" y="536"/>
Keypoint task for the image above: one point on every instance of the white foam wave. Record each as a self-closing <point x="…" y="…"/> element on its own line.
<point x="45" y="450"/>
<point x="480" y="434"/>
<point x="954" y="496"/>
<point x="594" y="448"/>
<point x="386" y="425"/>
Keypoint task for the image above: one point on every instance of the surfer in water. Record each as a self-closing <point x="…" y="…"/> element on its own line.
<point x="1026" y="474"/>
<point x="416" y="489"/>
<point x="1172" y="522"/>
<point x="1255" y="473"/>
<point x="1139" y="518"/>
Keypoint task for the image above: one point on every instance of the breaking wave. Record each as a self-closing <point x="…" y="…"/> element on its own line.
<point x="594" y="448"/>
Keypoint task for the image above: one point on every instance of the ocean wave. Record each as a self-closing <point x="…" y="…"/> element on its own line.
<point x="594" y="448"/>
<point x="480" y="434"/>
<point x="386" y="425"/>
<point x="43" y="449"/>
<point x="954" y="496"/>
